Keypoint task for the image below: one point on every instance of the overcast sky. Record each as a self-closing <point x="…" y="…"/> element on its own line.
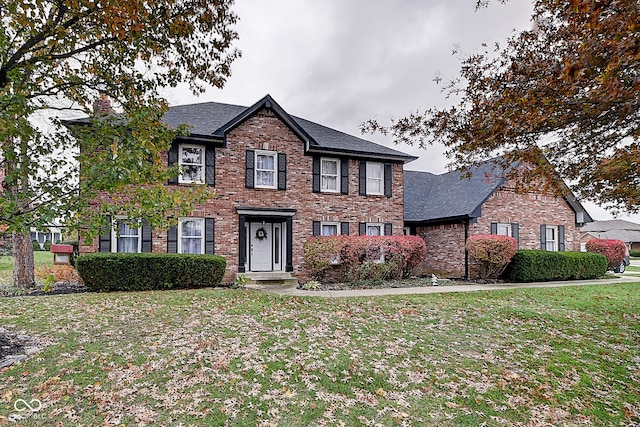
<point x="340" y="62"/>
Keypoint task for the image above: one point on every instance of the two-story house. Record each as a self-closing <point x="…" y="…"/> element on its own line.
<point x="279" y="180"/>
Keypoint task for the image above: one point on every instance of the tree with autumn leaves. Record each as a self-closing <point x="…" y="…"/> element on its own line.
<point x="566" y="91"/>
<point x="56" y="58"/>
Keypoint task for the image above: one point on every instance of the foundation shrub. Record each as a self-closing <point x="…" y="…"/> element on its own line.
<point x="148" y="271"/>
<point x="614" y="250"/>
<point x="349" y="258"/>
<point x="491" y="253"/>
<point x="540" y="266"/>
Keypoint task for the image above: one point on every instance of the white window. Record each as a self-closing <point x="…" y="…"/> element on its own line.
<point x="504" y="230"/>
<point x="551" y="238"/>
<point x="375" y="178"/>
<point x="266" y="176"/>
<point x="330" y="175"/>
<point x="375" y="229"/>
<point x="127" y="237"/>
<point x="191" y="236"/>
<point x="329" y="229"/>
<point x="191" y="161"/>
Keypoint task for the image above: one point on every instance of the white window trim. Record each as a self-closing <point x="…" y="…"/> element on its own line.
<point x="182" y="180"/>
<point x="273" y="154"/>
<point x="337" y="175"/>
<point x="547" y="241"/>
<point x="374" y="224"/>
<point x="180" y="237"/>
<point x="381" y="179"/>
<point x="115" y="236"/>
<point x="336" y="224"/>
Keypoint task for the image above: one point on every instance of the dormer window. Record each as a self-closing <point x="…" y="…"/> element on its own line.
<point x="191" y="159"/>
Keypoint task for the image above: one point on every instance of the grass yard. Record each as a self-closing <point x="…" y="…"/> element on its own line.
<point x="40" y="259"/>
<point x="563" y="356"/>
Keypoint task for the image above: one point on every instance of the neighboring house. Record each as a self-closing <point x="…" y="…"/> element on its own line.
<point x="616" y="229"/>
<point x="279" y="179"/>
<point x="446" y="209"/>
<point x="51" y="234"/>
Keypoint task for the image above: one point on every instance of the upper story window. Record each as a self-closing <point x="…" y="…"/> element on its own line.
<point x="266" y="176"/>
<point x="191" y="235"/>
<point x="330" y="175"/>
<point x="375" y="178"/>
<point x="191" y="159"/>
<point x="127" y="237"/>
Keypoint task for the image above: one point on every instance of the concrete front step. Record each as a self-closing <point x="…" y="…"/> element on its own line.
<point x="271" y="278"/>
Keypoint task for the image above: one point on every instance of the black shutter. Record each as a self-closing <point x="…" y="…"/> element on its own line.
<point x="388" y="229"/>
<point x="173" y="159"/>
<point x="209" y="233"/>
<point x="515" y="233"/>
<point x="316" y="228"/>
<point x="362" y="228"/>
<point x="316" y="174"/>
<point x="561" y="238"/>
<point x="362" y="188"/>
<point x="344" y="228"/>
<point x="543" y="237"/>
<point x="494" y="228"/>
<point x="147" y="243"/>
<point x="388" y="179"/>
<point x="344" y="176"/>
<point x="172" y="240"/>
<point x="249" y="169"/>
<point x="104" y="242"/>
<point x="282" y="171"/>
<point x="210" y="166"/>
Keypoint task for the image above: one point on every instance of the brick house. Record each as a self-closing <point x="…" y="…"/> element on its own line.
<point x="615" y="229"/>
<point x="279" y="180"/>
<point x="446" y="209"/>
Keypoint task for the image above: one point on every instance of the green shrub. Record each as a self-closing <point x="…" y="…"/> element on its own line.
<point x="36" y="245"/>
<point x="147" y="271"/>
<point x="635" y="253"/>
<point x="47" y="245"/>
<point x="539" y="266"/>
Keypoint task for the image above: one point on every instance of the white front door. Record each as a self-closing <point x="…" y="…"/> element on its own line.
<point x="265" y="246"/>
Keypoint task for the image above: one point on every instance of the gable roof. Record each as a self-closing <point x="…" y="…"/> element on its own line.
<point x="214" y="119"/>
<point x="430" y="198"/>
<point x="616" y="229"/>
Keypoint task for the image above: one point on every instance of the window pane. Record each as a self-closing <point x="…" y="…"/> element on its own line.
<point x="192" y="155"/>
<point x="127" y="244"/>
<point x="374" y="170"/>
<point x="191" y="245"/>
<point x="330" y="167"/>
<point x="329" y="183"/>
<point x="265" y="178"/>
<point x="191" y="173"/>
<point x="329" y="229"/>
<point x="373" y="230"/>
<point x="265" y="162"/>
<point x="127" y="229"/>
<point x="192" y="228"/>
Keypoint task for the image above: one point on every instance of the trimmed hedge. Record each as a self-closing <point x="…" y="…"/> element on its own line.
<point x="635" y="253"/>
<point x="148" y="271"/>
<point x="540" y="266"/>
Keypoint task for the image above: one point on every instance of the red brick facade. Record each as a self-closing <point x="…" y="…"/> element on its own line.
<point x="446" y="242"/>
<point x="266" y="131"/>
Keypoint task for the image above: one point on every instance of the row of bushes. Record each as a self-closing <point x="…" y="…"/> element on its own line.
<point x="538" y="265"/>
<point x="635" y="253"/>
<point x="149" y="271"/>
<point x="355" y="258"/>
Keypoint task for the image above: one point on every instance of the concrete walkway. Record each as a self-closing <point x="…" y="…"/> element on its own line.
<point x="292" y="290"/>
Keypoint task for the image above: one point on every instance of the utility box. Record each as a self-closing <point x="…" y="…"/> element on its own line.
<point x="62" y="254"/>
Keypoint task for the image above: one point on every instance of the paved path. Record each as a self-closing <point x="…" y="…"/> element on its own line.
<point x="292" y="290"/>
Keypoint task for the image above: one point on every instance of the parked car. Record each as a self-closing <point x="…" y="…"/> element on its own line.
<point x="623" y="265"/>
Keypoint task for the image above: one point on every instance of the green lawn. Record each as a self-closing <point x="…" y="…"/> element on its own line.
<point x="40" y="258"/>
<point x="554" y="356"/>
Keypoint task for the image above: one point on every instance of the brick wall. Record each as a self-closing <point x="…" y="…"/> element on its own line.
<point x="266" y="131"/>
<point x="445" y="243"/>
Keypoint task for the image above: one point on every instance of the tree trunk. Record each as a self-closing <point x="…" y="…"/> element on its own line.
<point x="23" y="276"/>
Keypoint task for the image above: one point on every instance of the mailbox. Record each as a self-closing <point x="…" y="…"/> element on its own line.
<point x="62" y="254"/>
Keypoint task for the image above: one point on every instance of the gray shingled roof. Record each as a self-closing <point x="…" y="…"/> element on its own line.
<point x="207" y="118"/>
<point x="429" y="197"/>
<point x="611" y="225"/>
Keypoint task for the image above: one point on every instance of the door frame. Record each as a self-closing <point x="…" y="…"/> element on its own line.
<point x="277" y="215"/>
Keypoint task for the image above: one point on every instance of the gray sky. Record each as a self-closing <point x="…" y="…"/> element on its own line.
<point x="340" y="62"/>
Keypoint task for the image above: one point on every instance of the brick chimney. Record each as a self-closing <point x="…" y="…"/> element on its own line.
<point x="102" y="106"/>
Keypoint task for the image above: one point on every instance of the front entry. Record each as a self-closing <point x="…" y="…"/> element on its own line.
<point x="265" y="244"/>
